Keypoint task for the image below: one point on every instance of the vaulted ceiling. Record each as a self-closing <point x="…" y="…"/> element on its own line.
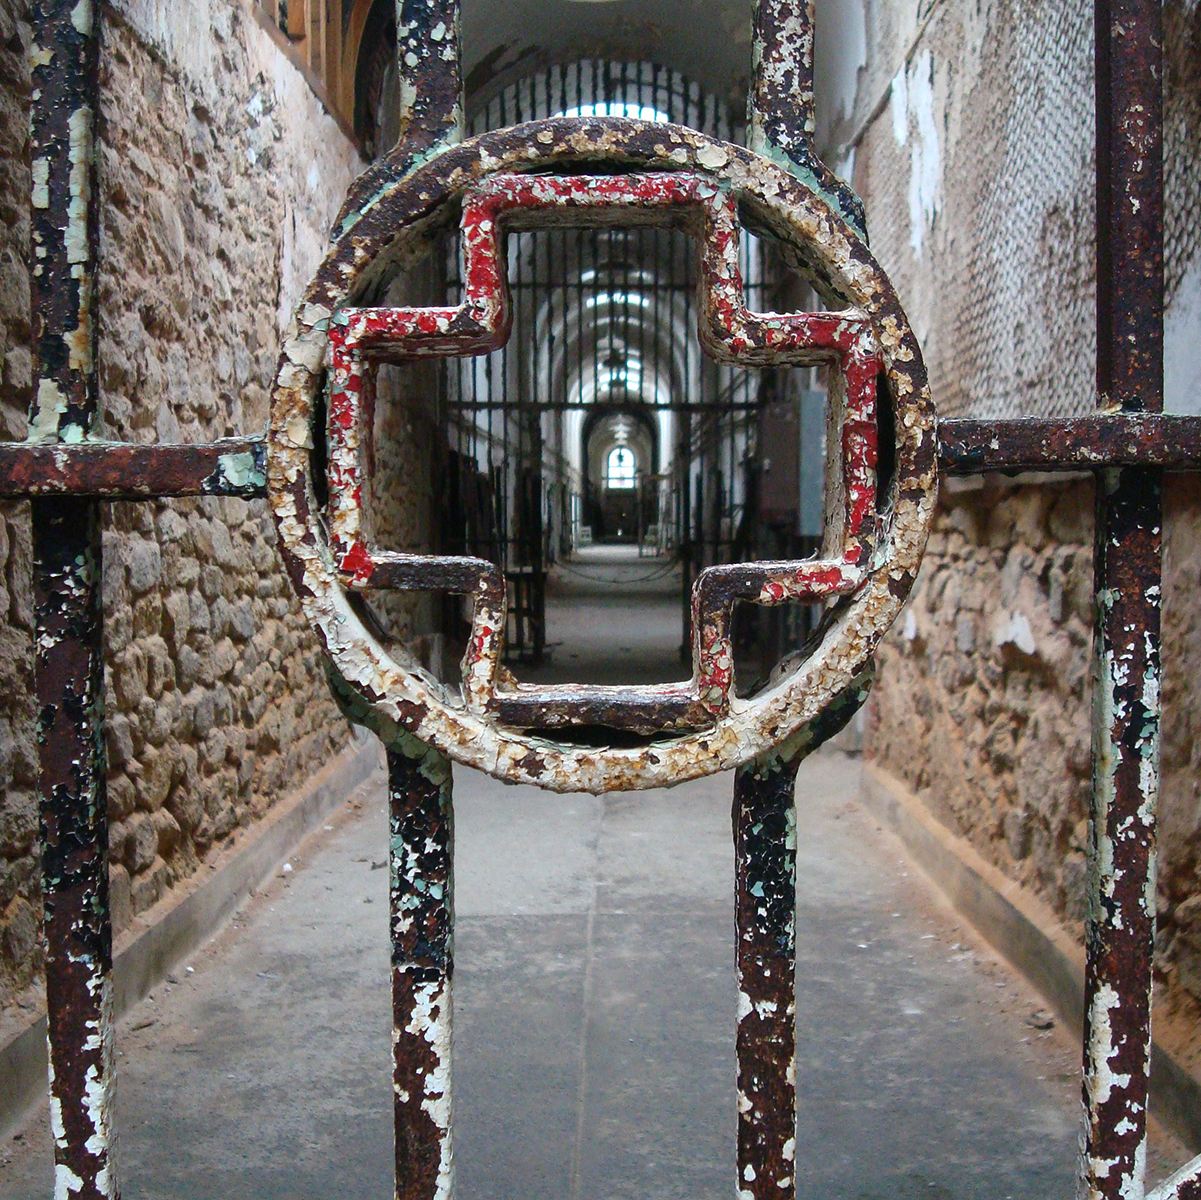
<point x="708" y="40"/>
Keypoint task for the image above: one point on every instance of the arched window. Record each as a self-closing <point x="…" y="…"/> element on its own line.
<point x="619" y="468"/>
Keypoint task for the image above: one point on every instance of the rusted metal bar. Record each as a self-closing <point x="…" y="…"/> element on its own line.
<point x="236" y="466"/>
<point x="120" y="471"/>
<point x="765" y="838"/>
<point x="1184" y="1184"/>
<point x="420" y="866"/>
<point x="781" y="102"/>
<point x="68" y="663"/>
<point x="427" y="61"/>
<point x="1119" y="933"/>
<point x="782" y="110"/>
<point x="765" y="932"/>
<point x="969" y="447"/>
<point x="431" y="100"/>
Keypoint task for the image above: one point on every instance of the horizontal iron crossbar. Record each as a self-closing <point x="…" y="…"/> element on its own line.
<point x="236" y="466"/>
<point x="122" y="471"/>
<point x="972" y="447"/>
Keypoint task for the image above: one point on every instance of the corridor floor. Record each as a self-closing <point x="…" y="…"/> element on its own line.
<point x="594" y="1017"/>
<point x="595" y="1002"/>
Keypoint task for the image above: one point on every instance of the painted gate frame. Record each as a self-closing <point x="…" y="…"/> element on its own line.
<point x="1128" y="444"/>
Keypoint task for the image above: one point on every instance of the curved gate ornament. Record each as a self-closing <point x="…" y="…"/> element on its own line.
<point x="873" y="544"/>
<point x="522" y="178"/>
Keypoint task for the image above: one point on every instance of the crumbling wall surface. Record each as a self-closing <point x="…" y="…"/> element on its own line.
<point x="220" y="174"/>
<point x="977" y="173"/>
<point x="982" y="701"/>
<point x="1178" y="956"/>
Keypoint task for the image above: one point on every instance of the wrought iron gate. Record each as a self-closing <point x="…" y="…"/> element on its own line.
<point x="671" y="175"/>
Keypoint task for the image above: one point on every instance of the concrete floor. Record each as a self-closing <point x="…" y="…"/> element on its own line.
<point x="595" y="1001"/>
<point x="612" y="617"/>
<point x="594" y="1017"/>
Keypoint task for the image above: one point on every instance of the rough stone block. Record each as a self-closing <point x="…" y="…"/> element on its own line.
<point x="145" y="566"/>
<point x="129" y="678"/>
<point x="141" y="843"/>
<point x="119" y="740"/>
<point x="177" y="620"/>
<point x="146" y="889"/>
<point x="168" y="832"/>
<point x="21" y="927"/>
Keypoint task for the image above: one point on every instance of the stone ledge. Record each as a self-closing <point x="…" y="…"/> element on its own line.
<point x="1023" y="929"/>
<point x="189" y="916"/>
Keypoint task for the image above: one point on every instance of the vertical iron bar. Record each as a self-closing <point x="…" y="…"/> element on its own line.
<point x="429" y="67"/>
<point x="427" y="61"/>
<point x="781" y="106"/>
<point x="781" y="115"/>
<point x="765" y="929"/>
<point x="422" y="929"/>
<point x="1121" y="923"/>
<point x="68" y="664"/>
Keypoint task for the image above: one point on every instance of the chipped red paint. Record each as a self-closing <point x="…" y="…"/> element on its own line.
<point x="361" y="338"/>
<point x="401" y="191"/>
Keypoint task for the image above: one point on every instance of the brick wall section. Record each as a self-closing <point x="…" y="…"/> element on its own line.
<point x="220" y="173"/>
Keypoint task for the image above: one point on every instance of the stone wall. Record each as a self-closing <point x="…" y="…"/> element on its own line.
<point x="982" y="704"/>
<point x="220" y="173"/>
<point x="968" y="128"/>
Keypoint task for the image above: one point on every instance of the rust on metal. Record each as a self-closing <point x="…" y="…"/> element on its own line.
<point x="520" y="178"/>
<point x="421" y="861"/>
<point x="1184" y="1184"/>
<point x="429" y="67"/>
<point x="1120" y="927"/>
<point x="765" y="842"/>
<point x="68" y="660"/>
<point x="360" y="338"/>
<point x="1109" y="439"/>
<point x="122" y="471"/>
<point x="782" y="119"/>
<point x="667" y="169"/>
<point x="765" y="933"/>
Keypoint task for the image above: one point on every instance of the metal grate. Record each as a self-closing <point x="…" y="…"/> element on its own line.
<point x="1127" y="442"/>
<point x="604" y="354"/>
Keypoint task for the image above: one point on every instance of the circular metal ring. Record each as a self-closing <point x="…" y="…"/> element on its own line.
<point x="400" y="698"/>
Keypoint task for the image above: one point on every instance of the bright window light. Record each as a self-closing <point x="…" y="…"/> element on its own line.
<point x="616" y="108"/>
<point x="619" y="469"/>
<point x="618" y="300"/>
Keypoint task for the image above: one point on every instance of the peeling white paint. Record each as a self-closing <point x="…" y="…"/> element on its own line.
<point x="40" y="195"/>
<point x="79" y="130"/>
<point x="912" y="107"/>
<point x="51" y="404"/>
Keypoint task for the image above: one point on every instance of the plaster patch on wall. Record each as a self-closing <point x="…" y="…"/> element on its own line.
<point x="1015" y="629"/>
<point x="898" y="104"/>
<point x="925" y="155"/>
<point x="1182" y="344"/>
